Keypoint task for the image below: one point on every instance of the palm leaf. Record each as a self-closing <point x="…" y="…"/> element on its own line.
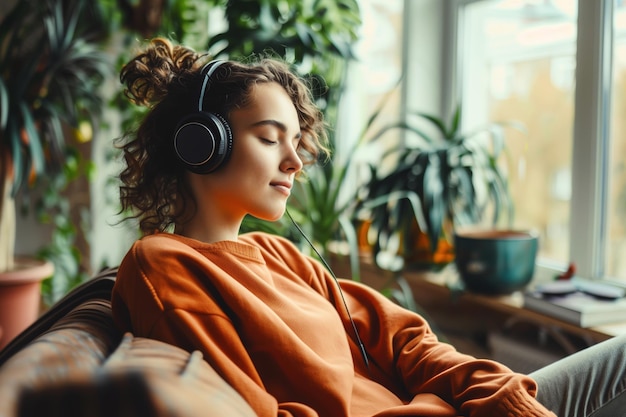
<point x="4" y="105"/>
<point x="34" y="139"/>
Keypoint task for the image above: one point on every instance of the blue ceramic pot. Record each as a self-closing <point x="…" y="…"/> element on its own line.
<point x="495" y="261"/>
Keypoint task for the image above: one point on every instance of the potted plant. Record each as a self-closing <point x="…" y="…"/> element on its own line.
<point x="49" y="74"/>
<point x="441" y="179"/>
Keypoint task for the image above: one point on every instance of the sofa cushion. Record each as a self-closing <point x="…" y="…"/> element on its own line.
<point x="142" y="377"/>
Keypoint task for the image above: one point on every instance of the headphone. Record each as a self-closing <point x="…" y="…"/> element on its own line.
<point x="203" y="141"/>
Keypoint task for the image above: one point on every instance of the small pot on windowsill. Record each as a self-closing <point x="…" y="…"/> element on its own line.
<point x="20" y="296"/>
<point x="495" y="262"/>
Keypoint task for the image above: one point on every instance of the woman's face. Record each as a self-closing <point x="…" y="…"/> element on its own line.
<point x="258" y="177"/>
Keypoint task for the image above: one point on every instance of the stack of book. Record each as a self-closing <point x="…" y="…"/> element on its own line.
<point x="579" y="302"/>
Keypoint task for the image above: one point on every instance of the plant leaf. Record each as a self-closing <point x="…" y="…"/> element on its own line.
<point x="4" y="105"/>
<point x="34" y="139"/>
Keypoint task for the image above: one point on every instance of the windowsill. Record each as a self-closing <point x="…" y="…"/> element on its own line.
<point x="511" y="304"/>
<point x="438" y="294"/>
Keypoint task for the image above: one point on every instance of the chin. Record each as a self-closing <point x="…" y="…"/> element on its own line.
<point x="275" y="218"/>
<point x="271" y="217"/>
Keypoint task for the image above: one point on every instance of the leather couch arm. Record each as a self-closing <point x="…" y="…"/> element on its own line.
<point x="77" y="344"/>
<point x="142" y="377"/>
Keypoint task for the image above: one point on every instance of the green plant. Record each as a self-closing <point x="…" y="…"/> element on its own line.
<point x="315" y="35"/>
<point x="441" y="181"/>
<point x="175" y="19"/>
<point x="55" y="208"/>
<point x="50" y="69"/>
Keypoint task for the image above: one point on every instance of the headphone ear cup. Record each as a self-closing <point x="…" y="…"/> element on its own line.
<point x="203" y="142"/>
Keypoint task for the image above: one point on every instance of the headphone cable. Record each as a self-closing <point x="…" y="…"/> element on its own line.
<point x="343" y="299"/>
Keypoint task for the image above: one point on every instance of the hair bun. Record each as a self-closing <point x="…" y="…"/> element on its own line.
<point x="151" y="74"/>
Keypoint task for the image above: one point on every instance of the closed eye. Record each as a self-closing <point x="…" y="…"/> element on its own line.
<point x="268" y="141"/>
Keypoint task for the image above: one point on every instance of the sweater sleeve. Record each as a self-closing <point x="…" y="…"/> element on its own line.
<point x="406" y="355"/>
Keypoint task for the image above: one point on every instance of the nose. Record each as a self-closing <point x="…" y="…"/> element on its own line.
<point x="292" y="162"/>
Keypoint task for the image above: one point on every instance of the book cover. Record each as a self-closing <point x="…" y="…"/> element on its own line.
<point x="580" y="308"/>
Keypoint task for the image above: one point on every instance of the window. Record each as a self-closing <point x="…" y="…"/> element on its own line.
<point x="559" y="68"/>
<point x="518" y="64"/>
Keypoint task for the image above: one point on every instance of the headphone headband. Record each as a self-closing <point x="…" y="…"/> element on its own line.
<point x="208" y="71"/>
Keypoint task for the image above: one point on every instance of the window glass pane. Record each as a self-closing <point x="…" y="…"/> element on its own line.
<point x="518" y="64"/>
<point x="616" y="226"/>
<point x="375" y="73"/>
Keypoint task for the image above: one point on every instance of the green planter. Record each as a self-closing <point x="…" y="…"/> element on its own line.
<point x="495" y="261"/>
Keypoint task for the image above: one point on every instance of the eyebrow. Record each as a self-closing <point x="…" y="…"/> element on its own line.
<point x="273" y="122"/>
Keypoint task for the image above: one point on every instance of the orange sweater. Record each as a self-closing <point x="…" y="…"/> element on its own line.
<point x="271" y="321"/>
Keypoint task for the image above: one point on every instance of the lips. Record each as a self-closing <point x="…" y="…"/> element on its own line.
<point x="283" y="187"/>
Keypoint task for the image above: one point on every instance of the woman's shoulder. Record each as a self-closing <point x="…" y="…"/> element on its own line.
<point x="268" y="241"/>
<point x="159" y="249"/>
<point x="169" y="240"/>
<point x="158" y="242"/>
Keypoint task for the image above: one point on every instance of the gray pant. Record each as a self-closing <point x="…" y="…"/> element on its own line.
<point x="590" y="383"/>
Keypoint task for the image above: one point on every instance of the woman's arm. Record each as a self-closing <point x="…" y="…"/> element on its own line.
<point x="404" y="352"/>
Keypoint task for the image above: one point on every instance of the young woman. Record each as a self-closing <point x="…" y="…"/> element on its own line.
<point x="223" y="140"/>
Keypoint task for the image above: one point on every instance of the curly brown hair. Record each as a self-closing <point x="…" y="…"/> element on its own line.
<point x="166" y="78"/>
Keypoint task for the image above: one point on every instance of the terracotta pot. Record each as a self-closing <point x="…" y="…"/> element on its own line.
<point x="419" y="254"/>
<point x="415" y="249"/>
<point x="20" y="296"/>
